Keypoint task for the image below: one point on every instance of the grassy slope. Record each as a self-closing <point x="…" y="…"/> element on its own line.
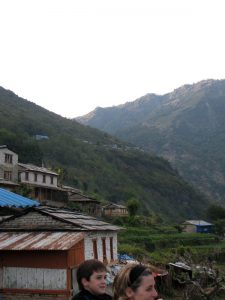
<point x="89" y="160"/>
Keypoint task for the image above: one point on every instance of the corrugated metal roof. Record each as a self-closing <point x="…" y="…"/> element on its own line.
<point x="37" y="169"/>
<point x="39" y="240"/>
<point x="9" y="199"/>
<point x="84" y="221"/>
<point x="198" y="223"/>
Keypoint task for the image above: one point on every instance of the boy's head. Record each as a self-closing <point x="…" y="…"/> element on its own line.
<point x="91" y="276"/>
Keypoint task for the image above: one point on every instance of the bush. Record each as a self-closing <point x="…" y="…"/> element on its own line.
<point x="133" y="250"/>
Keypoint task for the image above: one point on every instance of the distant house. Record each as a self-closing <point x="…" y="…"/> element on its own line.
<point x="113" y="209"/>
<point x="39" y="137"/>
<point x="82" y="202"/>
<point x="198" y="226"/>
<point x="41" y="249"/>
<point x="42" y="182"/>
<point x="8" y="168"/>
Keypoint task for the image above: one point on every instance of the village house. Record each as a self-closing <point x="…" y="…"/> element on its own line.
<point x="112" y="210"/>
<point x="198" y="226"/>
<point x="8" y="168"/>
<point x="43" y="184"/>
<point x="82" y="202"/>
<point x="41" y="249"/>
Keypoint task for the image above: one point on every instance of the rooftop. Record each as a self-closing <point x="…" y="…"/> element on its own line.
<point x="10" y="199"/>
<point x="54" y="219"/>
<point x="39" y="240"/>
<point x="34" y="168"/>
<point x="198" y="223"/>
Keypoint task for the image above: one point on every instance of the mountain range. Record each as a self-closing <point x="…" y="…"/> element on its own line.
<point x="186" y="127"/>
<point x="101" y="165"/>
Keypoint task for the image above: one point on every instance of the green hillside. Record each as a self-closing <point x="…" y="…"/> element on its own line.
<point x="186" y="127"/>
<point x="96" y="162"/>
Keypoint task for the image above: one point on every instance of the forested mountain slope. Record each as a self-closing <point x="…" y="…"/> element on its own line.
<point x="94" y="161"/>
<point x="187" y="127"/>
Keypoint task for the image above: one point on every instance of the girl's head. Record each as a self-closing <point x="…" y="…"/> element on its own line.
<point x="134" y="282"/>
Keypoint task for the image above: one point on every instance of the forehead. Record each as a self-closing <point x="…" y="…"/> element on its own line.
<point x="98" y="273"/>
<point x="147" y="280"/>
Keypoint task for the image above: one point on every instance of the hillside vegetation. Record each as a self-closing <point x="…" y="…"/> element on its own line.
<point x="186" y="127"/>
<point x="96" y="162"/>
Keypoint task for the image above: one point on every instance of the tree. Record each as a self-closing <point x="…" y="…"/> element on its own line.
<point x="132" y="206"/>
<point x="216" y="212"/>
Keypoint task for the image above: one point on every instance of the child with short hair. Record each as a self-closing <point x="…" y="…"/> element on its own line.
<point x="91" y="278"/>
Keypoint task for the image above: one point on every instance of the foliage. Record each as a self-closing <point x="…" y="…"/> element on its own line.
<point x="132" y="206"/>
<point x="185" y="126"/>
<point x="164" y="243"/>
<point x="24" y="190"/>
<point x="96" y="162"/>
<point x="215" y="212"/>
<point x="219" y="227"/>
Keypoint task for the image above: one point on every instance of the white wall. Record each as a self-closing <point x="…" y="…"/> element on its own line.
<point x="7" y="151"/>
<point x="88" y="245"/>
<point x="34" y="278"/>
<point x="12" y="167"/>
<point x="39" y="181"/>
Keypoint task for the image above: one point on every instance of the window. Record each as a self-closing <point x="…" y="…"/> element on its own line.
<point x="104" y="250"/>
<point x="111" y="248"/>
<point x="52" y="178"/>
<point x="8" y="158"/>
<point x="44" y="179"/>
<point x="35" y="177"/>
<point x="95" y="249"/>
<point x="8" y="175"/>
<point x="26" y="176"/>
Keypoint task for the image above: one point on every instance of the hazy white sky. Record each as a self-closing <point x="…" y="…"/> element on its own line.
<point x="71" y="56"/>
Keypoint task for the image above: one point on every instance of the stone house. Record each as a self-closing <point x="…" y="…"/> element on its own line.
<point x="41" y="184"/>
<point x="82" y="202"/>
<point x="113" y="210"/>
<point x="41" y="249"/>
<point x="8" y="168"/>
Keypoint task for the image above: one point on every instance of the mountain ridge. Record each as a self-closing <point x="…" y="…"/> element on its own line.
<point x="186" y="127"/>
<point x="98" y="163"/>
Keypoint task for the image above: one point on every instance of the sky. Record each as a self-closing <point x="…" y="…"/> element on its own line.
<point x="71" y="56"/>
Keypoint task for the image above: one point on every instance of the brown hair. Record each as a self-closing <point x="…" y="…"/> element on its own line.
<point x="130" y="276"/>
<point x="87" y="268"/>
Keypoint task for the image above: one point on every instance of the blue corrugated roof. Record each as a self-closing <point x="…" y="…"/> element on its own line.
<point x="9" y="199"/>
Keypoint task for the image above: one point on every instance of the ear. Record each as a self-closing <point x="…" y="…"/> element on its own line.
<point x="129" y="292"/>
<point x="84" y="282"/>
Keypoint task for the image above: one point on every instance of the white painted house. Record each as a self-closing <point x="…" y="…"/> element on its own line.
<point x="31" y="174"/>
<point x="42" y="182"/>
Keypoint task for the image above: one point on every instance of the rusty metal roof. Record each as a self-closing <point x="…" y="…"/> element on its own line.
<point x="39" y="240"/>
